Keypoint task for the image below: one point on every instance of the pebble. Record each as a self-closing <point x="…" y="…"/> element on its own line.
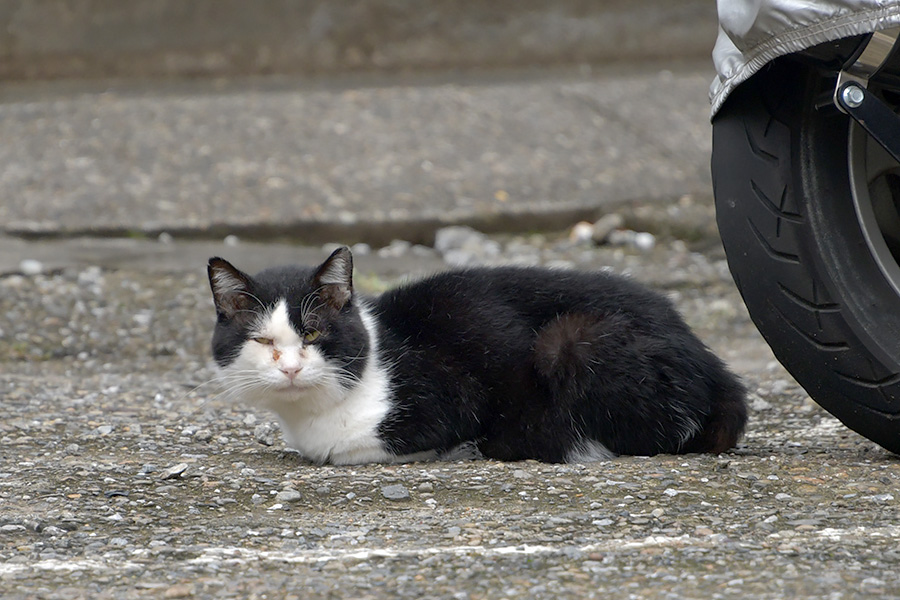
<point x="581" y="232"/>
<point x="395" y="492"/>
<point x="604" y="226"/>
<point x="361" y="249"/>
<point x="52" y="530"/>
<point x="461" y="246"/>
<point x="395" y="249"/>
<point x="174" y="471"/>
<point x="644" y="241"/>
<point x="30" y="267"/>
<point x="266" y="433"/>
<point x="288" y="495"/>
<point x="203" y="435"/>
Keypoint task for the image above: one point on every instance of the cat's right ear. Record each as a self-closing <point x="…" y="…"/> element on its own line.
<point x="334" y="279"/>
<point x="230" y="288"/>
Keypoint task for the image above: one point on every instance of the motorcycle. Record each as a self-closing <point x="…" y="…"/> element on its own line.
<point x="806" y="178"/>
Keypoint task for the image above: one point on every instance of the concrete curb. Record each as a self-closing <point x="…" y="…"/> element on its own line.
<point x="51" y="39"/>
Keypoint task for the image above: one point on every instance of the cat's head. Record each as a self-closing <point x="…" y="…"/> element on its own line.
<point x="288" y="334"/>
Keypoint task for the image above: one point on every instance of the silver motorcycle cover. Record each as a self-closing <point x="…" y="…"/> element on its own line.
<point x="753" y="32"/>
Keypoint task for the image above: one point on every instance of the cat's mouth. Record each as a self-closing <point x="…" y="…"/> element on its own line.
<point x="294" y="385"/>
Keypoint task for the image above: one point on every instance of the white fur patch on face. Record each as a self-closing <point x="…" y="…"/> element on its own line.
<point x="320" y="418"/>
<point x="342" y="428"/>
<point x="275" y="362"/>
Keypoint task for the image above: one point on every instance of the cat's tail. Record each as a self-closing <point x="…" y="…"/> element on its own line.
<point x="584" y="356"/>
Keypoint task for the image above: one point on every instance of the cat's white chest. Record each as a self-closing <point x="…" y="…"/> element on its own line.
<point x="334" y="424"/>
<point x="346" y="432"/>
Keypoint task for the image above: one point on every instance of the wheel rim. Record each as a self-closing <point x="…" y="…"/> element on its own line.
<point x="875" y="184"/>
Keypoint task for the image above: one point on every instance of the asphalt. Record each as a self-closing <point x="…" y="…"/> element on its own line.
<point x="350" y="159"/>
<point x="124" y="474"/>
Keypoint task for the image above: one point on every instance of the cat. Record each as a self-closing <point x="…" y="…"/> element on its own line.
<point x="523" y="362"/>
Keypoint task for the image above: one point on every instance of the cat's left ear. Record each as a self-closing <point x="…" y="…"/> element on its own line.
<point x="231" y="288"/>
<point x="334" y="279"/>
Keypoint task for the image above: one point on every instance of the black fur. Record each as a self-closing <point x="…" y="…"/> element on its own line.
<point x="528" y="363"/>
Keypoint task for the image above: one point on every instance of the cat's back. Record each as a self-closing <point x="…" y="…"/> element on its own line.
<point x="530" y="292"/>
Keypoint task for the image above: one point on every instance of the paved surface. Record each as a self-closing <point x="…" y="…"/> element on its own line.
<point x="367" y="161"/>
<point x="125" y="474"/>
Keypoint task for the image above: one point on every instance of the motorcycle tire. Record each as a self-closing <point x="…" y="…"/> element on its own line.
<point x="806" y="206"/>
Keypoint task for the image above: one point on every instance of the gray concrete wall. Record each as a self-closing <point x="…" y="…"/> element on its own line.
<point x="46" y="39"/>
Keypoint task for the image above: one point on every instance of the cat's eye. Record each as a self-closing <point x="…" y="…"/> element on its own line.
<point x="311" y="335"/>
<point x="264" y="341"/>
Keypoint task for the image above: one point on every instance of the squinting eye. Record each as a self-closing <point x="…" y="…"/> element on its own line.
<point x="263" y="340"/>
<point x="311" y="336"/>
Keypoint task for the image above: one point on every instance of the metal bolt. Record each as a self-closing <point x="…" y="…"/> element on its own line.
<point x="853" y="95"/>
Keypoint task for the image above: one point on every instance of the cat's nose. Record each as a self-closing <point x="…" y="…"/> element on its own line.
<point x="290" y="372"/>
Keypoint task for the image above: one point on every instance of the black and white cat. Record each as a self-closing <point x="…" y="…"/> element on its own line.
<point x="554" y="365"/>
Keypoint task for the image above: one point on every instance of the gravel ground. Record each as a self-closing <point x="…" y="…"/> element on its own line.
<point x="124" y="475"/>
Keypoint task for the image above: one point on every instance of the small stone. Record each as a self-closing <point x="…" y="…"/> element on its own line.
<point x="461" y="246"/>
<point x="604" y="226"/>
<point x="880" y="497"/>
<point x="203" y="435"/>
<point x="231" y="240"/>
<point x="288" y="495"/>
<point x="520" y="474"/>
<point x="395" y="492"/>
<point x="361" y="249"/>
<point x="757" y="403"/>
<point x="426" y="487"/>
<point x="165" y="238"/>
<point x="581" y="232"/>
<point x="621" y="237"/>
<point x="265" y="433"/>
<point x="174" y="471"/>
<point x="395" y="249"/>
<point x="644" y="241"/>
<point x="182" y="590"/>
<point x="30" y="267"/>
